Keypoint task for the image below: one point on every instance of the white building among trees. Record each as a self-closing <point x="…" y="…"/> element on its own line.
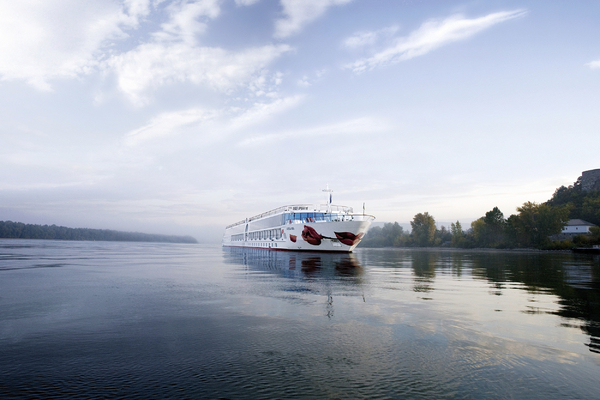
<point x="577" y="227"/>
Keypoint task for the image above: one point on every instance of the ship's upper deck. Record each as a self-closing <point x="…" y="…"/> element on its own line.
<point x="298" y="208"/>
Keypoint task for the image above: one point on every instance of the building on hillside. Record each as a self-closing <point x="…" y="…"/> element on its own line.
<point x="577" y="227"/>
<point x="590" y="180"/>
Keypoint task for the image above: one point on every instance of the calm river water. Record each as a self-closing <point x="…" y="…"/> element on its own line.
<point x="131" y="320"/>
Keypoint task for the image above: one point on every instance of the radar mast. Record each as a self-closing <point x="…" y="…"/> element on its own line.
<point x="329" y="198"/>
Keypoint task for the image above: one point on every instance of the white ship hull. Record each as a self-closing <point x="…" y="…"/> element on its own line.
<point x="300" y="228"/>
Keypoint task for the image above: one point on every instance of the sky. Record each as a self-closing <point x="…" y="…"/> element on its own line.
<point x="183" y="116"/>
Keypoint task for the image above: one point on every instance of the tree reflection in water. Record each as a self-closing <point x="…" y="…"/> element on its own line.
<point x="424" y="265"/>
<point x="573" y="278"/>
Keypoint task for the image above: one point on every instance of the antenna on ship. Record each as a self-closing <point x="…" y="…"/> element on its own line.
<point x="329" y="199"/>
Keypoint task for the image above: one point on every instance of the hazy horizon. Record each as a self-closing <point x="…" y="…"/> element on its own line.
<point x="181" y="117"/>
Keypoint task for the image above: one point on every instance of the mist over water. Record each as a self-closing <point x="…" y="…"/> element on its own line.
<point x="144" y="320"/>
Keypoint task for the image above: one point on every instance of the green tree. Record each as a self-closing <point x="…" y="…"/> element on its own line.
<point x="458" y="236"/>
<point x="590" y="209"/>
<point x="568" y="195"/>
<point x="442" y="236"/>
<point x="584" y="205"/>
<point x="387" y="236"/>
<point x="595" y="234"/>
<point x="495" y="224"/>
<point x="423" y="229"/>
<point x="392" y="233"/>
<point x="478" y="231"/>
<point x="512" y="234"/>
<point x="536" y="222"/>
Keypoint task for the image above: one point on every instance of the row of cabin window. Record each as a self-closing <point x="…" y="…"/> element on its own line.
<point x="267" y="234"/>
<point x="260" y="235"/>
<point x="264" y="244"/>
<point x="314" y="217"/>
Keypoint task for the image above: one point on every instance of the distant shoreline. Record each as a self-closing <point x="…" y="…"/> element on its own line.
<point x="19" y="230"/>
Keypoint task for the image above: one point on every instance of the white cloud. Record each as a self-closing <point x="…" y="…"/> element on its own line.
<point x="358" y="126"/>
<point x="155" y="64"/>
<point x="169" y="123"/>
<point x="594" y="64"/>
<point x="260" y="112"/>
<point x="184" y="21"/>
<point x="298" y="13"/>
<point x="137" y="8"/>
<point x="431" y="35"/>
<point x="266" y="84"/>
<point x="45" y="40"/>
<point x="174" y="55"/>
<point x="304" y="81"/>
<point x="245" y="2"/>
<point x="48" y="40"/>
<point x="220" y="121"/>
<point x="362" y="39"/>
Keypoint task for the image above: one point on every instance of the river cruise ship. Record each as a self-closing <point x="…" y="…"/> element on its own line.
<point x="313" y="227"/>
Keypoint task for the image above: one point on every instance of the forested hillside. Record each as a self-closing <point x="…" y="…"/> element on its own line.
<point x="584" y="205"/>
<point x="18" y="230"/>
<point x="534" y="226"/>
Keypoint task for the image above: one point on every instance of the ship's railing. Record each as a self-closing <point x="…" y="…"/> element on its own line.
<point x="236" y="224"/>
<point x="297" y="208"/>
<point x="362" y="217"/>
<point x="330" y="217"/>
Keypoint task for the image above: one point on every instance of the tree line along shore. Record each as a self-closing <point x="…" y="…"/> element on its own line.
<point x="18" y="230"/>
<point x="533" y="226"/>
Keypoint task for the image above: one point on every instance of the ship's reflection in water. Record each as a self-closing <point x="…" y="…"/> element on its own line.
<point x="320" y="274"/>
<point x="296" y="264"/>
